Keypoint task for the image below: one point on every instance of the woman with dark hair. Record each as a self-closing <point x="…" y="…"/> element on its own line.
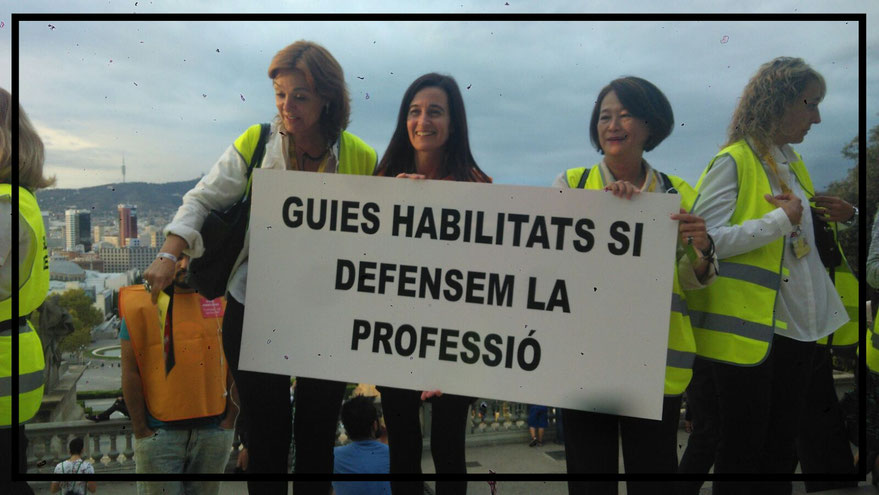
<point x="429" y="142"/>
<point x="631" y="116"/>
<point x="307" y="134"/>
<point x="431" y="138"/>
<point x="765" y="328"/>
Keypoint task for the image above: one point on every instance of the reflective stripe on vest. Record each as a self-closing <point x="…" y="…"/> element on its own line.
<point x="27" y="382"/>
<point x="750" y="273"/>
<point x="196" y="385"/>
<point x="31" y="293"/>
<point x="31" y="377"/>
<point x="681" y="344"/>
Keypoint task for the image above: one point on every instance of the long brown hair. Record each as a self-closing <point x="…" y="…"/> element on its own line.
<point x="323" y="72"/>
<point x="774" y="87"/>
<point x="31" y="153"/>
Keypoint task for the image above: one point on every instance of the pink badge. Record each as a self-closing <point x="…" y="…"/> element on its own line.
<point x="212" y="308"/>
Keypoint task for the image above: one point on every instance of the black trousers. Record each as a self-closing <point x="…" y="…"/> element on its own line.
<point x="822" y="441"/>
<point x="10" y="463"/>
<point x="759" y="411"/>
<point x="448" y="428"/>
<point x="702" y="444"/>
<point x="265" y="408"/>
<point x="265" y="403"/>
<point x="314" y="430"/>
<point x="592" y="446"/>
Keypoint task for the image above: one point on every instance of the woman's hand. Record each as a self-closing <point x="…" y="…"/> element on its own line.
<point x="791" y="205"/>
<point x="692" y="230"/>
<point x="623" y="189"/>
<point x="427" y="394"/>
<point x="161" y="272"/>
<point x="404" y="175"/>
<point x="833" y="209"/>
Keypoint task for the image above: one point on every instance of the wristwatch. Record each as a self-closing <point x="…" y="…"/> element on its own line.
<point x="851" y="221"/>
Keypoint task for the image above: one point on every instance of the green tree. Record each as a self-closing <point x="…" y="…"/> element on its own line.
<point x="85" y="317"/>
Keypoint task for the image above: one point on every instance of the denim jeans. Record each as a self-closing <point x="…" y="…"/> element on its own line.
<point x="197" y="450"/>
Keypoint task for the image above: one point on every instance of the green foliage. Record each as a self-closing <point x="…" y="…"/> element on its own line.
<point x="85" y="317"/>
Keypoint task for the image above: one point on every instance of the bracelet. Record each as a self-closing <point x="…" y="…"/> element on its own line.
<point x="167" y="255"/>
<point x="710" y="254"/>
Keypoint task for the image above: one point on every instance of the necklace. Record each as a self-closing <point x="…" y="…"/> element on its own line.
<point x="305" y="155"/>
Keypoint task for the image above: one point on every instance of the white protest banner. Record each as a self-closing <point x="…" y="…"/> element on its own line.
<point x="528" y="294"/>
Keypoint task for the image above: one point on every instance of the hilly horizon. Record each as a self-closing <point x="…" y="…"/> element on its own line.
<point x="150" y="198"/>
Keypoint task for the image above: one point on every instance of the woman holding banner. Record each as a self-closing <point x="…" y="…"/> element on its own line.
<point x="308" y="134"/>
<point x="429" y="142"/>
<point x="631" y="116"/>
<point x="774" y="300"/>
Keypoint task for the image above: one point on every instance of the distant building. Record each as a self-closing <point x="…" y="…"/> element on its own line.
<point x="112" y="240"/>
<point x="78" y="227"/>
<point x="90" y="261"/>
<point x="157" y="238"/>
<point x="98" y="233"/>
<point x="65" y="271"/>
<point x="127" y="223"/>
<point x="127" y="258"/>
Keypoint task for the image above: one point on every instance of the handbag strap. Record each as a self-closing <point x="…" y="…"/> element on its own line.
<point x="256" y="158"/>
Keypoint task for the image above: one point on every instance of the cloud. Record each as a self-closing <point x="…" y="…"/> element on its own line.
<point x="57" y="140"/>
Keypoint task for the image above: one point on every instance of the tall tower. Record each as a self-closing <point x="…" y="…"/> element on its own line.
<point x="127" y="223"/>
<point x="77" y="226"/>
<point x="123" y="168"/>
<point x="71" y="229"/>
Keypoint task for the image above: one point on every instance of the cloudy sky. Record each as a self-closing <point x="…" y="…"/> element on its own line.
<point x="170" y="96"/>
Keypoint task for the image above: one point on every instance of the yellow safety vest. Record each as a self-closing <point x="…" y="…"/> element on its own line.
<point x="196" y="385"/>
<point x="355" y="156"/>
<point x="681" y="345"/>
<point x="31" y="293"/>
<point x="873" y="349"/>
<point x="734" y="319"/>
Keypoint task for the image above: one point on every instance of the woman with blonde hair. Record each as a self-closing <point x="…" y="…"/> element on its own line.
<point x="307" y="134"/>
<point x="32" y="285"/>
<point x="779" y="293"/>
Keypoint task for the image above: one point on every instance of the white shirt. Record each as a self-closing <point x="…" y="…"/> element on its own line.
<point x="807" y="299"/>
<point x="78" y="467"/>
<point x="220" y="189"/>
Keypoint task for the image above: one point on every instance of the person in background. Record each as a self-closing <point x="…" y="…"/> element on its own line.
<point x="430" y="141"/>
<point x="365" y="454"/>
<point x="118" y="405"/>
<point x="32" y="286"/>
<point x="75" y="465"/>
<point x="307" y="134"/>
<point x="759" y="323"/>
<point x="537" y="424"/>
<point x="631" y="115"/>
<point x="872" y="418"/>
<point x="177" y="385"/>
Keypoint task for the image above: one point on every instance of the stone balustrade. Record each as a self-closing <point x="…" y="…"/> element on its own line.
<point x="109" y="445"/>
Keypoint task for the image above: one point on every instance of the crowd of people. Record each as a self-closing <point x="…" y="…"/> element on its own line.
<point x="762" y="297"/>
